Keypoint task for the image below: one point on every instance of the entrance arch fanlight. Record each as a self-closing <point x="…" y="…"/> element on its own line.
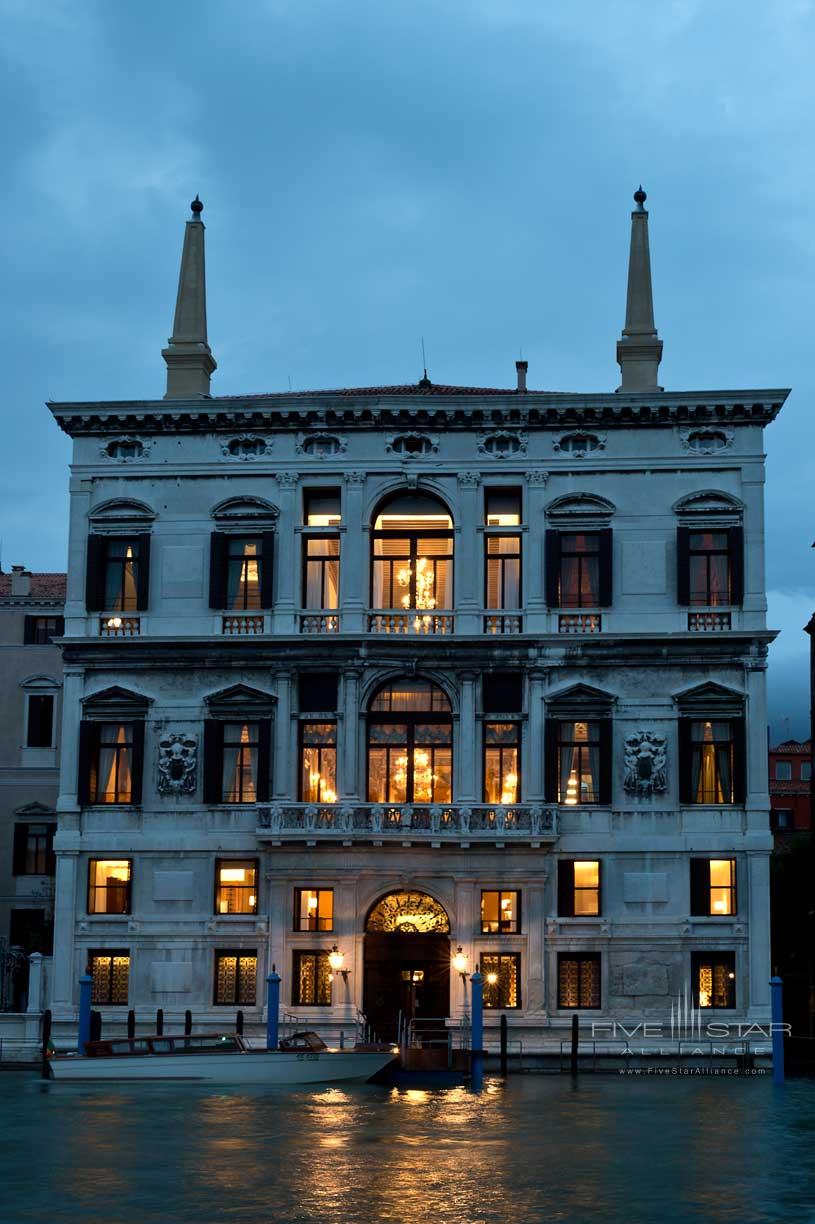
<point x="408" y="913"/>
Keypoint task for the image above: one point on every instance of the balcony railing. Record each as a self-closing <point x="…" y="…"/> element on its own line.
<point x="579" y="622"/>
<point x="407" y="822"/>
<point x="503" y="622"/>
<point x="708" y="622"/>
<point x="116" y="626"/>
<point x="242" y="624"/>
<point x="319" y="622"/>
<point x="413" y="621"/>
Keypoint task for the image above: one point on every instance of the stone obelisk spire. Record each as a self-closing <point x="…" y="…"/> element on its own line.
<point x="189" y="358"/>
<point x="639" y="352"/>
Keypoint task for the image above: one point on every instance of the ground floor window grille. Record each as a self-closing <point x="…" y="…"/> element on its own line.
<point x="714" y="979"/>
<point x="236" y="978"/>
<point x="311" y="980"/>
<point x="502" y="979"/>
<point x="578" y="979"/>
<point x="110" y="971"/>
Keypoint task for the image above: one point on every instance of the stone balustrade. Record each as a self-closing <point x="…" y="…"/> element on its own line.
<point x="485" y="823"/>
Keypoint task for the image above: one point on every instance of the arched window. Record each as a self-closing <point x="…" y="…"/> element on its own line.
<point x="412" y="564"/>
<point x="410" y="744"/>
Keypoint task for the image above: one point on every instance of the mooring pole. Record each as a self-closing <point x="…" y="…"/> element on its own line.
<point x="503" y="1044"/>
<point x="46" y="1041"/>
<point x="777" y="1015"/>
<point x="573" y="1058"/>
<point x="272" y="1010"/>
<point x="131" y="1023"/>
<point x="477" y="1042"/>
<point x="160" y="1021"/>
<point x="84" y="1031"/>
<point x="187" y="1022"/>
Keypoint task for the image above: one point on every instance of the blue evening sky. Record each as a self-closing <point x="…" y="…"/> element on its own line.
<point x="378" y="170"/>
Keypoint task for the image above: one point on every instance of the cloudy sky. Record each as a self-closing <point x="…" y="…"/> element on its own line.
<point x="378" y="170"/>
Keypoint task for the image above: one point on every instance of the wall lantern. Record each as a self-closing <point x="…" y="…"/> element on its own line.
<point x="460" y="961"/>
<point x="336" y="960"/>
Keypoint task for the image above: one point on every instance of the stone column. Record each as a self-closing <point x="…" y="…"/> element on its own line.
<point x="280" y="909"/>
<point x="354" y="563"/>
<point x="62" y="966"/>
<point x="35" y="982"/>
<point x="467" y="564"/>
<point x="533" y="566"/>
<point x="532" y="789"/>
<point x="284" y="751"/>
<point x="467" y="772"/>
<point x="349" y="780"/>
<point x="757" y="990"/>
<point x="286" y="560"/>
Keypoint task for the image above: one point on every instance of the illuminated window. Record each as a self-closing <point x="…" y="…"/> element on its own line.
<point x="412" y="561"/>
<point x="236" y="886"/>
<point x="244" y="558"/>
<point x="236" y="973"/>
<point x="500" y="912"/>
<point x="109" y="886"/>
<point x="322" y="508"/>
<point x="502" y="979"/>
<point x="578" y="569"/>
<point x="709" y="568"/>
<point x="318" y="762"/>
<point x="503" y="571"/>
<point x="712" y="762"/>
<point x="321" y="572"/>
<point x="579" y="760"/>
<point x="240" y="762"/>
<point x="121" y="568"/>
<point x="578" y="888"/>
<point x="502" y="507"/>
<point x="578" y="980"/>
<point x="713" y="887"/>
<point x="410" y="738"/>
<point x="111" y="762"/>
<point x="714" y="979"/>
<point x="110" y="970"/>
<point x="314" y="909"/>
<point x="311" y="980"/>
<point x="502" y="762"/>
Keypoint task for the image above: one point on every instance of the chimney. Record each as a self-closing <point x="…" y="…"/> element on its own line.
<point x="20" y="580"/>
<point x="521" y="367"/>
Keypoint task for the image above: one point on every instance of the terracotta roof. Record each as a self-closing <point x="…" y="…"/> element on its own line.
<point x="44" y="586"/>
<point x="425" y="387"/>
<point x="794" y="747"/>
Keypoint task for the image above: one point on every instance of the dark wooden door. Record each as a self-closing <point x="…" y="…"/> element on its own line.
<point x="407" y="973"/>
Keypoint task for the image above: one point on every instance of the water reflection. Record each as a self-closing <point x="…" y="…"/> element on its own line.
<point x="534" y="1148"/>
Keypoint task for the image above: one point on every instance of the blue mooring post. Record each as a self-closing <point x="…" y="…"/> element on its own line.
<point x="777" y="1016"/>
<point x="84" y="1032"/>
<point x="272" y="1009"/>
<point x="477" y="1051"/>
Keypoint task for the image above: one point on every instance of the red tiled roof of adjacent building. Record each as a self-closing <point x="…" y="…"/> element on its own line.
<point x="44" y="586"/>
<point x="794" y="747"/>
<point x="420" y="388"/>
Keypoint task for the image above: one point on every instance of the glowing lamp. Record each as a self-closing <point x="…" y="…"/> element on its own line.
<point x="492" y="978"/>
<point x="336" y="960"/>
<point x="460" y="961"/>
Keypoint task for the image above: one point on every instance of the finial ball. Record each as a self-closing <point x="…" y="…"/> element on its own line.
<point x="640" y="196"/>
<point x="197" y="207"/>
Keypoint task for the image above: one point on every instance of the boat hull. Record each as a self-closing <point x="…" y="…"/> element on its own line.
<point x="252" y="1067"/>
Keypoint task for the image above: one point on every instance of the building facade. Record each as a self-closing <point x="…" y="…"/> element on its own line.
<point x="379" y="684"/>
<point x="790" y="787"/>
<point x="31" y="608"/>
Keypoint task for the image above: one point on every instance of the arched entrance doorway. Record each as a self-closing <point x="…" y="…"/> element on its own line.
<point x="407" y="961"/>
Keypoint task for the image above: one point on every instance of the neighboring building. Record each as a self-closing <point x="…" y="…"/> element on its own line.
<point x="31" y="608"/>
<point x="790" y="786"/>
<point x="356" y="678"/>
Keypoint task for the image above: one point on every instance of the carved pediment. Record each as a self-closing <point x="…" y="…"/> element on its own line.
<point x="122" y="510"/>
<point x="710" y="697"/>
<point x="243" y="509"/>
<point x="114" y="700"/>
<point x="707" y="503"/>
<point x="35" y="811"/>
<point x="240" y="698"/>
<point x="581" y="506"/>
<point x="580" y="701"/>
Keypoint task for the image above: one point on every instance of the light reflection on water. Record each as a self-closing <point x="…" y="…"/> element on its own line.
<point x="607" y="1149"/>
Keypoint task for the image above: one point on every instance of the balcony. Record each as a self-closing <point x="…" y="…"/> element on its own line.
<point x="579" y="622"/>
<point x="428" y="824"/>
<point x="503" y="622"/>
<point x="319" y="622"/>
<point x="116" y="626"/>
<point x="708" y="622"/>
<point x="415" y="622"/>
<point x="243" y="624"/>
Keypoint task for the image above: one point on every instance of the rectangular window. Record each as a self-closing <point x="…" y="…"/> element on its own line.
<point x="317" y="692"/>
<point x="502" y="692"/>
<point x="781" y="818"/>
<point x="236" y="973"/>
<point x="579" y="751"/>
<point x="500" y="912"/>
<point x="239" y="774"/>
<point x="111" y="767"/>
<point x="322" y="508"/>
<point x="109" y="883"/>
<point x="578" y="888"/>
<point x="502" y="762"/>
<point x="714" y="979"/>
<point x="503" y="572"/>
<point x="33" y="849"/>
<point x="40" y="731"/>
<point x="783" y="771"/>
<point x="502" y="979"/>
<point x="121" y="574"/>
<point x="318" y="762"/>
<point x="578" y="980"/>
<point x="321" y="572"/>
<point x="236" y="886"/>
<point x="709" y="568"/>
<point x="311" y="980"/>
<point x="244" y="559"/>
<point x="502" y="507"/>
<point x="414" y="572"/>
<point x="579" y="585"/>
<point x="806" y="771"/>
<point x="314" y="909"/>
<point x="713" y="887"/>
<point x="712" y="760"/>
<point x="110" y="970"/>
<point x="41" y="630"/>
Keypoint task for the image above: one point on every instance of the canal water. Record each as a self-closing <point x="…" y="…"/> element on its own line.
<point x="608" y="1148"/>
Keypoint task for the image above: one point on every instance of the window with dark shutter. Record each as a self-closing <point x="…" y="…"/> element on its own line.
<point x="565" y="888"/>
<point x="552" y="568"/>
<point x="213" y="754"/>
<point x="502" y="692"/>
<point x="550" y="759"/>
<point x="264" y="760"/>
<point x="88" y="750"/>
<point x="217" y="569"/>
<point x="267" y="570"/>
<point x="606" y="567"/>
<point x="699" y="887"/>
<point x="736" y="551"/>
<point x="683" y="566"/>
<point x="95" y="573"/>
<point x="317" y="692"/>
<point x="143" y="574"/>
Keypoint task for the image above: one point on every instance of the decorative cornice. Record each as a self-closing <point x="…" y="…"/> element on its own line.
<point x="443" y="412"/>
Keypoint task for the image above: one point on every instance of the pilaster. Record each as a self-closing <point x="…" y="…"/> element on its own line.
<point x="283" y="616"/>
<point x="353" y="563"/>
<point x="468" y="566"/>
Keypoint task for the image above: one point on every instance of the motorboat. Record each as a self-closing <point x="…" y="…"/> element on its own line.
<point x="222" y="1058"/>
